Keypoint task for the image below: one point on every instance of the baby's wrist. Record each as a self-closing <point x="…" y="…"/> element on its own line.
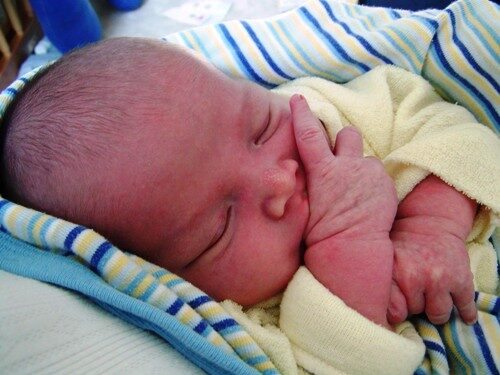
<point x="430" y="225"/>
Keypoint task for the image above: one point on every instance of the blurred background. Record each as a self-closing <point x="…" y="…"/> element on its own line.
<point x="33" y="32"/>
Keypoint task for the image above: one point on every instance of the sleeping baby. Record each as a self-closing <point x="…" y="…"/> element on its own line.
<point x="242" y="192"/>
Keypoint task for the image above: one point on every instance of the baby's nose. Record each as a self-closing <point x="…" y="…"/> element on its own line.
<point x="279" y="184"/>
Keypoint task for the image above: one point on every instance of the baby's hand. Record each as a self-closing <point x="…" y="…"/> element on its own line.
<point x="352" y="203"/>
<point x="350" y="196"/>
<point x="431" y="271"/>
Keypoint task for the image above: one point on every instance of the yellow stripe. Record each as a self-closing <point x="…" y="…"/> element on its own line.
<point x="429" y="332"/>
<point x="491" y="328"/>
<point x="452" y="86"/>
<point x="452" y="347"/>
<point x="117" y="262"/>
<point x="85" y="244"/>
<point x="351" y="43"/>
<point x="305" y="67"/>
<point x="224" y="53"/>
<point x="12" y="218"/>
<point x="143" y="285"/>
<point x="37" y="228"/>
<point x="321" y="48"/>
<point x="167" y="278"/>
<point x="400" y="42"/>
<point x="464" y="69"/>
<point x="187" y="315"/>
<point x="470" y="18"/>
<point x="241" y="341"/>
<point x="264" y="366"/>
<point x="256" y="58"/>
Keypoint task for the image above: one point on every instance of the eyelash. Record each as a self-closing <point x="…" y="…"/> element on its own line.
<point x="222" y="229"/>
<point x="262" y="133"/>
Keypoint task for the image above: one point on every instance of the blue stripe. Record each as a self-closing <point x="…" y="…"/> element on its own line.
<point x="332" y="41"/>
<point x="160" y="273"/>
<point x="444" y="63"/>
<point x="468" y="56"/>
<point x="44" y="229"/>
<point x="304" y="54"/>
<point x="362" y="40"/>
<point x="135" y="282"/>
<point x="24" y="79"/>
<point x="257" y="359"/>
<point x="175" y="307"/>
<point x="99" y="253"/>
<point x="200" y="327"/>
<point x="223" y="324"/>
<point x="435" y="347"/>
<point x="70" y="238"/>
<point x="199" y="301"/>
<point x="496" y="306"/>
<point x="174" y="282"/>
<point x="149" y="291"/>
<point x="484" y="23"/>
<point x="403" y="53"/>
<point x="186" y="41"/>
<point x="3" y="203"/>
<point x="463" y="360"/>
<point x="11" y="90"/>
<point x="201" y="44"/>
<point x="241" y="57"/>
<point x="395" y="15"/>
<point x="490" y="362"/>
<point x="31" y="225"/>
<point x="408" y="42"/>
<point x="264" y="52"/>
<point x="429" y="23"/>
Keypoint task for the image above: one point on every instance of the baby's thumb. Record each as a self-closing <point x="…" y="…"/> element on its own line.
<point x="397" y="311"/>
<point x="312" y="143"/>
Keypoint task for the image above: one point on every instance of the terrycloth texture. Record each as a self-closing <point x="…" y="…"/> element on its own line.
<point x="414" y="132"/>
<point x="456" y="49"/>
<point x="318" y="332"/>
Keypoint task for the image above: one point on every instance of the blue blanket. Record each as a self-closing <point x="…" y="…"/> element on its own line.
<point x="456" y="49"/>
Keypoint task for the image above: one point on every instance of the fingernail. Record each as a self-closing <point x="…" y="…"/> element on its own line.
<point x="297" y="97"/>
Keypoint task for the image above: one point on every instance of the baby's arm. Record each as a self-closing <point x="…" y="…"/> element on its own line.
<point x="431" y="266"/>
<point x="352" y="207"/>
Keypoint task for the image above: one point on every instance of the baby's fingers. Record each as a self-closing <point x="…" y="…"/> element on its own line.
<point x="438" y="306"/>
<point x="348" y="143"/>
<point x="310" y="137"/>
<point x="464" y="301"/>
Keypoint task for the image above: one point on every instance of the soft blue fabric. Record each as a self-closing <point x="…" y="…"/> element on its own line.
<point x="22" y="259"/>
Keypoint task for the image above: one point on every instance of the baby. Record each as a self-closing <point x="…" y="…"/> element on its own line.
<point x="236" y="186"/>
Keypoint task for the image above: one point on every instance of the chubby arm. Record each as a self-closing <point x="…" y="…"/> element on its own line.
<point x="352" y="207"/>
<point x="431" y="266"/>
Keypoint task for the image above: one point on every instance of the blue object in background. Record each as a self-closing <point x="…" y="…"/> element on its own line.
<point x="68" y="23"/>
<point x="408" y="5"/>
<point x="125" y="4"/>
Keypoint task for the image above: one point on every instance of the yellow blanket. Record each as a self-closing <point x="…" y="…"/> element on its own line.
<point x="414" y="132"/>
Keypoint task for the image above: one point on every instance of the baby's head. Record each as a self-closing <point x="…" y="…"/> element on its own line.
<point x="166" y="157"/>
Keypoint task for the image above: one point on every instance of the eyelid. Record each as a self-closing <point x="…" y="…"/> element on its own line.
<point x="262" y="137"/>
<point x="221" y="230"/>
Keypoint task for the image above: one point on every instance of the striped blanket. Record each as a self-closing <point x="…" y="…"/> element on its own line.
<point x="456" y="49"/>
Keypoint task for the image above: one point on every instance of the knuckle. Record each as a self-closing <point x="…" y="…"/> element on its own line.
<point x="310" y="134"/>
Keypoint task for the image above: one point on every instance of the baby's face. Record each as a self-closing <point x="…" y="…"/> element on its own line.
<point x="221" y="189"/>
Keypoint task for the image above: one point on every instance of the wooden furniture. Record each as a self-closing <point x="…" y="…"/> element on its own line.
<point x="19" y="32"/>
